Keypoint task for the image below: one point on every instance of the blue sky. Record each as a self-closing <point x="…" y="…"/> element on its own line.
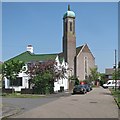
<point x="41" y="25"/>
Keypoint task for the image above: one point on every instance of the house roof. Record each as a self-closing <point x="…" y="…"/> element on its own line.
<point x="29" y="57"/>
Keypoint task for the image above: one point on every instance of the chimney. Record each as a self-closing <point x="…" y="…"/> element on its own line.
<point x="30" y="48"/>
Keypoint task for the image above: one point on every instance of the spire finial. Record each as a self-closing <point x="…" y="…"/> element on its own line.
<point x="68" y="7"/>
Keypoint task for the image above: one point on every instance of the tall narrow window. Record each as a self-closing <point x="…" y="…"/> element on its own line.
<point x="66" y="26"/>
<point x="85" y="65"/>
<point x="73" y="26"/>
<point x="70" y="26"/>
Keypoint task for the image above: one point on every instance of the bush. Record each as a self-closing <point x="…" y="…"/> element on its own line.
<point x="4" y="94"/>
<point x="26" y="91"/>
<point x="8" y="90"/>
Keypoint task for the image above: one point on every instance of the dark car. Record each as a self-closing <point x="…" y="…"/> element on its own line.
<point x="88" y="87"/>
<point x="79" y="89"/>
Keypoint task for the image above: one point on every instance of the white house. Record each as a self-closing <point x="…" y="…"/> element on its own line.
<point x="23" y="78"/>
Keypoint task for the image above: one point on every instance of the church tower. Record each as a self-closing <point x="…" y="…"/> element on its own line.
<point x="69" y="40"/>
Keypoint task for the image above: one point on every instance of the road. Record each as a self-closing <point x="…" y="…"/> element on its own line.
<point x="19" y="105"/>
<point x="96" y="104"/>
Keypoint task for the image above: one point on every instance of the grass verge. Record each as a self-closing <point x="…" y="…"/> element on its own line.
<point x="116" y="95"/>
<point x="18" y="95"/>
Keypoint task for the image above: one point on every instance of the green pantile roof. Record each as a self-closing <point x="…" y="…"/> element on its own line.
<point x="27" y="57"/>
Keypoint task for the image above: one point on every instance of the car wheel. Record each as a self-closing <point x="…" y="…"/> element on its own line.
<point x="84" y="91"/>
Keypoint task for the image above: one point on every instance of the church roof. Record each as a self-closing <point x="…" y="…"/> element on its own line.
<point x="78" y="49"/>
<point x="69" y="13"/>
<point x="83" y="48"/>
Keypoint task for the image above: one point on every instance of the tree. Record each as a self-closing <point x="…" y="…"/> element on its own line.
<point x="94" y="74"/>
<point x="75" y="80"/>
<point x="0" y="68"/>
<point x="11" y="69"/>
<point x="43" y="75"/>
<point x="117" y="74"/>
<point x="119" y="64"/>
<point x="102" y="78"/>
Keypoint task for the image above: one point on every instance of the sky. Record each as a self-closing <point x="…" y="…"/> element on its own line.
<point x="41" y="25"/>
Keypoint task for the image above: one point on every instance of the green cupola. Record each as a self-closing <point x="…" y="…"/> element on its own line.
<point x="69" y="13"/>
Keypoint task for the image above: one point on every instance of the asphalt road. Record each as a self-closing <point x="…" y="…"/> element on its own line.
<point x="96" y="104"/>
<point x="20" y="105"/>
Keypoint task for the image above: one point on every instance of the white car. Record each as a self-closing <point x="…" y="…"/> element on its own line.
<point x="112" y="84"/>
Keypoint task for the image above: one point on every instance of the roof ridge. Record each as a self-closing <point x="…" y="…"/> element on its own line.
<point x="46" y="54"/>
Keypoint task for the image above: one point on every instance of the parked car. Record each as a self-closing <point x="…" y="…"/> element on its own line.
<point x="80" y="89"/>
<point x="88" y="88"/>
<point x="112" y="84"/>
<point x="90" y="85"/>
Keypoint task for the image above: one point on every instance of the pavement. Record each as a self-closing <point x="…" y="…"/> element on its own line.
<point x="99" y="103"/>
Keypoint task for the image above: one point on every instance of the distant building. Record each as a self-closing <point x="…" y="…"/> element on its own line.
<point x="78" y="60"/>
<point x="109" y="73"/>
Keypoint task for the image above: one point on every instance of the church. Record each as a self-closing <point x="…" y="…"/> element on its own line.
<point x="78" y="60"/>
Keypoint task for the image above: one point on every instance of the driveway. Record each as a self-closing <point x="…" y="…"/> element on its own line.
<point x="96" y="104"/>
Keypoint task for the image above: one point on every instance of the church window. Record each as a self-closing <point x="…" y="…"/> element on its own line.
<point x="70" y="26"/>
<point x="73" y="27"/>
<point x="66" y="26"/>
<point x="85" y="64"/>
<point x="85" y="67"/>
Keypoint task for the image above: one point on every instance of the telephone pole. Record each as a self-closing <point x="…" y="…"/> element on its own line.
<point x="115" y="70"/>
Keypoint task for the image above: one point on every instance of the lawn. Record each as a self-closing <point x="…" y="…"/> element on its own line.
<point x="116" y="95"/>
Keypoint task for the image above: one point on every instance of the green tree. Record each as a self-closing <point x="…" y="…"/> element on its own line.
<point x="102" y="78"/>
<point x="42" y="83"/>
<point x="94" y="74"/>
<point x="75" y="80"/>
<point x="11" y="69"/>
<point x="117" y="74"/>
<point x="0" y="68"/>
<point x="119" y="64"/>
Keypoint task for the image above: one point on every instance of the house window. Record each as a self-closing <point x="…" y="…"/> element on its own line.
<point x="17" y="82"/>
<point x="70" y="26"/>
